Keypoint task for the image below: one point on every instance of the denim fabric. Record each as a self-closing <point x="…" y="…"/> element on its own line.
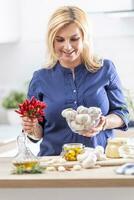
<point x="58" y="88"/>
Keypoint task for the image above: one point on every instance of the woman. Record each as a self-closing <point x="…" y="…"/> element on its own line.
<point x="74" y="77"/>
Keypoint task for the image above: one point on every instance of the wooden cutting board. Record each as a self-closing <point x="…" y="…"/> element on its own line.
<point x="115" y="161"/>
<point x="51" y="160"/>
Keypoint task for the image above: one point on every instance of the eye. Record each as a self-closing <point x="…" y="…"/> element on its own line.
<point x="75" y="39"/>
<point x="59" y="40"/>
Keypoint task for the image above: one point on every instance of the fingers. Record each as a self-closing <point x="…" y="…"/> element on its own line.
<point x="94" y="131"/>
<point x="29" y="124"/>
<point x="99" y="127"/>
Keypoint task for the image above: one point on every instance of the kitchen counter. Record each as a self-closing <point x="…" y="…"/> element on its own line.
<point x="98" y="183"/>
<point x="97" y="177"/>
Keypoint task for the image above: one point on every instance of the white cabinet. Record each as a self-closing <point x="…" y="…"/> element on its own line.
<point x="9" y="21"/>
<point x="107" y="5"/>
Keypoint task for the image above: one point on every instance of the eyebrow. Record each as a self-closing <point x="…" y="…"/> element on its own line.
<point x="70" y="36"/>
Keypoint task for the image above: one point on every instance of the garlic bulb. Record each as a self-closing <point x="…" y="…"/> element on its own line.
<point x="69" y="114"/>
<point x="82" y="110"/>
<point x="82" y="119"/>
<point x="83" y="156"/>
<point x="63" y="113"/>
<point x="99" y="152"/>
<point x="94" y="112"/>
<point x="89" y="162"/>
<point x="76" y="126"/>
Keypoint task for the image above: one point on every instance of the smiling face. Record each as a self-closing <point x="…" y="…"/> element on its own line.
<point x="68" y="45"/>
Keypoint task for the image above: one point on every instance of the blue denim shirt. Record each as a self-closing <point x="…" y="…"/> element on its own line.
<point x="60" y="90"/>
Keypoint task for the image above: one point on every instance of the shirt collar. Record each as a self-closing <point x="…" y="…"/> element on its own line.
<point x="78" y="68"/>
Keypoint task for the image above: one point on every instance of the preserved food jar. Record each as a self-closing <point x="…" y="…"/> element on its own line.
<point x="71" y="150"/>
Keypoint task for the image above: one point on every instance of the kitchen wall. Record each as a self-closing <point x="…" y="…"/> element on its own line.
<point x="113" y="38"/>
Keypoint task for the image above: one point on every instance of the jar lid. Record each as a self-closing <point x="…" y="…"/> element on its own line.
<point x="73" y="145"/>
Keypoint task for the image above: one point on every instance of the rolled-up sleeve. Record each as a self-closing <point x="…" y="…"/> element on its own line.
<point x="116" y="96"/>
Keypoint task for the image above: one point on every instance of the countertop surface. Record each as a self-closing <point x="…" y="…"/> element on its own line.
<point x="97" y="177"/>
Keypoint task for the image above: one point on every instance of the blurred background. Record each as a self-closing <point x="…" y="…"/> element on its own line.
<point x="22" y="46"/>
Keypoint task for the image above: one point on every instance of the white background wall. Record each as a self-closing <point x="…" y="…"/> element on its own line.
<point x="113" y="39"/>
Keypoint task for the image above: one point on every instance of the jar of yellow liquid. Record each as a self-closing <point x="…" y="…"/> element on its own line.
<point x="24" y="160"/>
<point x="112" y="148"/>
<point x="71" y="150"/>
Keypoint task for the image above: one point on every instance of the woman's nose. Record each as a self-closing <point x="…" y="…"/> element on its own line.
<point x="67" y="46"/>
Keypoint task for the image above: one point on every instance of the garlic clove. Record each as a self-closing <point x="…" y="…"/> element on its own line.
<point x="76" y="167"/>
<point x="50" y="168"/>
<point x="61" y="169"/>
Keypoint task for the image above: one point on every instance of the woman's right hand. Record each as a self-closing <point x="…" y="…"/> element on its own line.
<point x="29" y="125"/>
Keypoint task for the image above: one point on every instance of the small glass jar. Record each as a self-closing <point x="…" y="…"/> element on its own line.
<point x="112" y="148"/>
<point x="24" y="159"/>
<point x="71" y="150"/>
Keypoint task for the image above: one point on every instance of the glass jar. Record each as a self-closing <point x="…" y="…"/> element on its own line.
<point x="112" y="148"/>
<point x="24" y="159"/>
<point x="71" y="150"/>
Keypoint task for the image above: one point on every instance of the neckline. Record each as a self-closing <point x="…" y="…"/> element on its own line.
<point x="75" y="69"/>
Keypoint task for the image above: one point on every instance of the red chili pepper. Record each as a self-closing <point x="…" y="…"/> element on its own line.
<point x="32" y="108"/>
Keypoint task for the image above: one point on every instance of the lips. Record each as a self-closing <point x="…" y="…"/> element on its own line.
<point x="68" y="53"/>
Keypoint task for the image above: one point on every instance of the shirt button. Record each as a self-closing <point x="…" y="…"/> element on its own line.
<point x="74" y="91"/>
<point x="75" y="102"/>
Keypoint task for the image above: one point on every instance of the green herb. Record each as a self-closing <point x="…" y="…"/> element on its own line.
<point x="34" y="170"/>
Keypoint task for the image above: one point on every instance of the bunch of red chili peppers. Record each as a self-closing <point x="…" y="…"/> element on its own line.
<point x="32" y="108"/>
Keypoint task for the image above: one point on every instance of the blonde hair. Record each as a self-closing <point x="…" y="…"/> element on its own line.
<point x="64" y="16"/>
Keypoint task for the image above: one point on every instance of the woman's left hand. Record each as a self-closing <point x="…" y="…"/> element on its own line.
<point x="94" y="131"/>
